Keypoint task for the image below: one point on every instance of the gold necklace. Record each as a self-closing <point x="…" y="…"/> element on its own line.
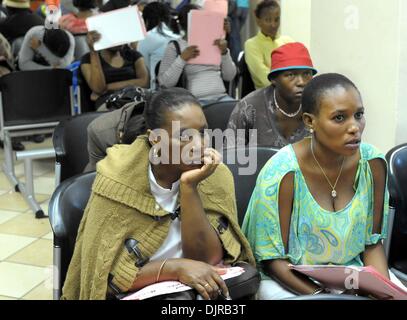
<point x="333" y="187"/>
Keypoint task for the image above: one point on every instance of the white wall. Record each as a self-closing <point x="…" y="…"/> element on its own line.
<point x="367" y="41"/>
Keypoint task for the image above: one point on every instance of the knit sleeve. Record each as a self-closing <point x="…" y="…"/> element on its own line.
<point x="171" y="67"/>
<point x="228" y="67"/>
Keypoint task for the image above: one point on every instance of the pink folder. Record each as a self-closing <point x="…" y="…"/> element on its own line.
<point x="220" y="6"/>
<point x="367" y="279"/>
<point x="204" y="28"/>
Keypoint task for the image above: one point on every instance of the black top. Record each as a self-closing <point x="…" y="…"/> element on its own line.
<point x="112" y="74"/>
<point x="17" y="25"/>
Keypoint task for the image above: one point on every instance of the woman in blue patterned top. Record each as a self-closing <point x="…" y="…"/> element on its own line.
<point x="322" y="200"/>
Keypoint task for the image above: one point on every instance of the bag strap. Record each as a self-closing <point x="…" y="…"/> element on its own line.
<point x="177" y="47"/>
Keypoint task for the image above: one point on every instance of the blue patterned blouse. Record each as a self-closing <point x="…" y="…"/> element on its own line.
<point x="316" y="235"/>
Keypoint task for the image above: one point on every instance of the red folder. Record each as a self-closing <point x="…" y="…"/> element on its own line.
<point x="368" y="279"/>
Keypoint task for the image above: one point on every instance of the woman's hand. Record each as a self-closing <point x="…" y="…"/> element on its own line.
<point x="222" y="45"/>
<point x="189" y="53"/>
<point x="211" y="160"/>
<point x="35" y="43"/>
<point x="201" y="276"/>
<point x="92" y="37"/>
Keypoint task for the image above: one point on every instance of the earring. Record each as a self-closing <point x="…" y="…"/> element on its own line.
<point x="311" y="130"/>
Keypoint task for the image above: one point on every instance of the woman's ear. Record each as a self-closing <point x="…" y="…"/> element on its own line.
<point x="309" y="120"/>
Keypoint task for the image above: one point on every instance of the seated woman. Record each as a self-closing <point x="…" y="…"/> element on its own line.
<point x="112" y="69"/>
<point x="153" y="215"/>
<point x="322" y="200"/>
<point x="204" y="81"/>
<point x="272" y="116"/>
<point x="76" y="22"/>
<point x="157" y="19"/>
<point x="44" y="48"/>
<point x="257" y="50"/>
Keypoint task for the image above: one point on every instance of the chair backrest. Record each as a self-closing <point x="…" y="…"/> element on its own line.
<point x="246" y="83"/>
<point x="244" y="184"/>
<point x="66" y="209"/>
<point x="397" y="173"/>
<point x="217" y="114"/>
<point x="30" y="98"/>
<point x="70" y="141"/>
<point x="81" y="46"/>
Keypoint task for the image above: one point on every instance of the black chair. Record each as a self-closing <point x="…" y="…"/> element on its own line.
<point x="70" y="141"/>
<point x="245" y="183"/>
<point x="66" y="209"/>
<point x="246" y="83"/>
<point x="397" y="230"/>
<point x="217" y="114"/>
<point x="32" y="102"/>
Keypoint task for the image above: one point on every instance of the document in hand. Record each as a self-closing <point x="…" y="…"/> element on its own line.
<point x="117" y="27"/>
<point x="204" y="27"/>
<point x="165" y="287"/>
<point x="368" y="279"/>
<point x="220" y="6"/>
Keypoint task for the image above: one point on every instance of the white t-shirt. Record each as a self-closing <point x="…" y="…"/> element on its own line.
<point x="167" y="199"/>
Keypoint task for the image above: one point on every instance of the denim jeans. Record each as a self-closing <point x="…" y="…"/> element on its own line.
<point x="238" y="18"/>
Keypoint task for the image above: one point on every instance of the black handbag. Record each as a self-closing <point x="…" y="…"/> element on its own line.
<point x="119" y="98"/>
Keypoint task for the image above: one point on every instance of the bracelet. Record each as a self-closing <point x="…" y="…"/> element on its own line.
<point x="318" y="291"/>
<point x="159" y="270"/>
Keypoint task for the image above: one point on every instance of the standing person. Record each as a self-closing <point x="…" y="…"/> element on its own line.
<point x="203" y="81"/>
<point x="238" y="16"/>
<point x="178" y="217"/>
<point x="322" y="200"/>
<point x="258" y="49"/>
<point x="157" y="18"/>
<point x="272" y="116"/>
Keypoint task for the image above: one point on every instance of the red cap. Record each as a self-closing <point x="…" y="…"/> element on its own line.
<point x="292" y="55"/>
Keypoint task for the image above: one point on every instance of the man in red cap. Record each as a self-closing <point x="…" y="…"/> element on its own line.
<point x="275" y="111"/>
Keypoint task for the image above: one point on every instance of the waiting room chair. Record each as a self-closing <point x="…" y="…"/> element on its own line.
<point x="32" y="102"/>
<point x="66" y="209"/>
<point x="396" y="244"/>
<point x="236" y="160"/>
<point x="246" y="84"/>
<point x="70" y="141"/>
<point x="217" y="114"/>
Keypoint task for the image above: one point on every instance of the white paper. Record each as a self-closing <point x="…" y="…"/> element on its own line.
<point x="166" y="287"/>
<point x="117" y="27"/>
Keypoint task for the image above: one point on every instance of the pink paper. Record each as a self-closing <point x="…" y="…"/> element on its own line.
<point x="204" y="28"/>
<point x="367" y="279"/>
<point x="219" y="6"/>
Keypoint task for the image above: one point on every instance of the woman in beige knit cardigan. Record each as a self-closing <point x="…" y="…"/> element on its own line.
<point x="153" y="216"/>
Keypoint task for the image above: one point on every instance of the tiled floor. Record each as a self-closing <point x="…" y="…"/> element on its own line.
<point x="26" y="242"/>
